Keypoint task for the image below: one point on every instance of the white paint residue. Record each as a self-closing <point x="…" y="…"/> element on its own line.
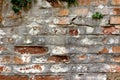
<point x="2" y="32"/>
<point x="101" y="6"/>
<point x="28" y="41"/>
<point x="33" y="24"/>
<point x="28" y="69"/>
<point x="89" y="29"/>
<point x="34" y="31"/>
<point x="56" y="21"/>
<point x="58" y="68"/>
<point x="40" y="60"/>
<point x="59" y="50"/>
<point x="26" y="58"/>
<point x="87" y="41"/>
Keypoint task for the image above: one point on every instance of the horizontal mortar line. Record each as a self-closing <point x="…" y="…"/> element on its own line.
<point x="65" y="44"/>
<point x="59" y="72"/>
<point x="67" y="35"/>
<point x="72" y="64"/>
<point x="62" y="73"/>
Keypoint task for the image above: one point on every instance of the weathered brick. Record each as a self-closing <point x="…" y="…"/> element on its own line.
<point x="23" y="59"/>
<point x="104" y="50"/>
<point x="56" y="59"/>
<point x="89" y="58"/>
<point x="116" y="49"/>
<point x="61" y="20"/>
<point x="115" y="2"/>
<point x="89" y="76"/>
<point x="60" y="68"/>
<point x="1" y="17"/>
<point x="116" y="11"/>
<point x="80" y="11"/>
<point x="109" y="29"/>
<point x="73" y="32"/>
<point x="84" y="2"/>
<point x="63" y="12"/>
<point x="55" y="42"/>
<point x="2" y="48"/>
<point x="114" y="68"/>
<point x="5" y="60"/>
<point x="31" y="49"/>
<point x="13" y="77"/>
<point x="98" y="2"/>
<point x="113" y="76"/>
<point x="5" y="69"/>
<point x="34" y="68"/>
<point x="99" y="67"/>
<point x="115" y="20"/>
<point x="115" y="59"/>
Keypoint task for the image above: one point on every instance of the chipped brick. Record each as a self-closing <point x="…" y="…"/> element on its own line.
<point x="31" y="49"/>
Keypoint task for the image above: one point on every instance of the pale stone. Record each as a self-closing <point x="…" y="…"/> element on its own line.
<point x="89" y="29"/>
<point x="2" y="32"/>
<point x="88" y="41"/>
<point x="43" y="4"/>
<point x="59" y="68"/>
<point x="34" y="31"/>
<point x="101" y="6"/>
<point x="59" y="50"/>
<point x="27" y="41"/>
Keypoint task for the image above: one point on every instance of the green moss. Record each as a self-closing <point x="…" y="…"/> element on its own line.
<point x="97" y="15"/>
<point x="70" y="2"/>
<point x="19" y="4"/>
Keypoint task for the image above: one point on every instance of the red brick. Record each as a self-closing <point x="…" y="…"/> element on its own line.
<point x="34" y="68"/>
<point x="56" y="58"/>
<point x="114" y="68"/>
<point x="98" y="2"/>
<point x="13" y="77"/>
<point x="115" y="20"/>
<point x="82" y="57"/>
<point x="5" y="60"/>
<point x="21" y="59"/>
<point x="73" y="32"/>
<point x="84" y="2"/>
<point x="62" y="20"/>
<point x="31" y="49"/>
<point x="115" y="2"/>
<point x="55" y="3"/>
<point x="48" y="77"/>
<point x="63" y="12"/>
<point x="4" y="69"/>
<point x="103" y="1"/>
<point x="116" y="49"/>
<point x="104" y="50"/>
<point x="1" y="2"/>
<point x="1" y="18"/>
<point x="115" y="59"/>
<point x="113" y="76"/>
<point x="109" y="29"/>
<point x="81" y="11"/>
<point x="116" y="11"/>
<point x="2" y="48"/>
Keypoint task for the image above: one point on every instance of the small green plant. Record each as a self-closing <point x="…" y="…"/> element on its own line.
<point x="20" y="4"/>
<point x="72" y="2"/>
<point x="97" y="15"/>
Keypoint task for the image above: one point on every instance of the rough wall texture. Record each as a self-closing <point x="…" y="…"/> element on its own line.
<point x="50" y="43"/>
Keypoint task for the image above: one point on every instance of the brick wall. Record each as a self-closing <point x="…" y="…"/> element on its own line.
<point x="60" y="43"/>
